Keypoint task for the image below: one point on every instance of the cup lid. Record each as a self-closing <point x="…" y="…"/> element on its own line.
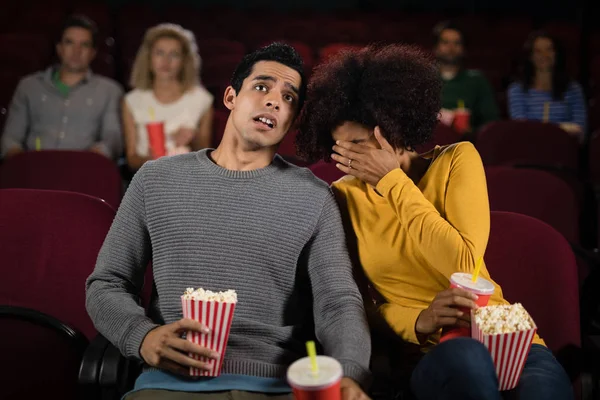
<point x="465" y="281"/>
<point x="301" y="376"/>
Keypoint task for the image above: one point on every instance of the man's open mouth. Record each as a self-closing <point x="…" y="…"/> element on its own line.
<point x="266" y="121"/>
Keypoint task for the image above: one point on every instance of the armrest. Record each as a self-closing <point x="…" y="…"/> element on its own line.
<point x="89" y="371"/>
<point x="112" y="367"/>
<point x="117" y="373"/>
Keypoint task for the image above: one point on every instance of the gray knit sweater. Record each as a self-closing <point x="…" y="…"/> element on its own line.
<point x="273" y="234"/>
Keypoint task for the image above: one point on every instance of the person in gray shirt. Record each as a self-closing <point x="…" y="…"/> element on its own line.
<point x="66" y="106"/>
<point x="237" y="217"/>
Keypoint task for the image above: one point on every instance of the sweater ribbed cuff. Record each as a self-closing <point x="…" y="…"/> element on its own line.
<point x="135" y="338"/>
<point x="356" y="373"/>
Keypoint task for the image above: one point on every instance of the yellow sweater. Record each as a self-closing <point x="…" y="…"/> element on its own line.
<point x="411" y="239"/>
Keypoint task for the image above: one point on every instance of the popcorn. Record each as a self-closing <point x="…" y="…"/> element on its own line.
<point x="215" y="311"/>
<point x="228" y="296"/>
<point x="493" y="320"/>
<point x="507" y="332"/>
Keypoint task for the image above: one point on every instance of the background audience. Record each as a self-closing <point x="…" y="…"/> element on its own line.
<point x="165" y="79"/>
<point x="66" y="106"/>
<point x="463" y="88"/>
<point x="546" y="92"/>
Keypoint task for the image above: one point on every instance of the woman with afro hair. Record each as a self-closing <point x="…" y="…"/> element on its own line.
<point x="416" y="218"/>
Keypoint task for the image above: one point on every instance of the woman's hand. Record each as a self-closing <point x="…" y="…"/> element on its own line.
<point x="572" y="129"/>
<point x="184" y="136"/>
<point x="366" y="163"/>
<point x="351" y="390"/>
<point x="444" y="311"/>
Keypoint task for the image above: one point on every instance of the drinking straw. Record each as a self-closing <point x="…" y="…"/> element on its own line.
<point x="151" y="112"/>
<point x="461" y="104"/>
<point x="477" y="269"/>
<point x="546" y="112"/>
<point x="312" y="354"/>
<point x="38" y="143"/>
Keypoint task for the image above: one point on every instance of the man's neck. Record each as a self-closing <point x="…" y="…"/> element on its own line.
<point x="70" y="78"/>
<point x="449" y="71"/>
<point x="231" y="155"/>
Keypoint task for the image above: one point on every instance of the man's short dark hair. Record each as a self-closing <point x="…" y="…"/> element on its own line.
<point x="446" y="25"/>
<point x="80" y="21"/>
<point x="278" y="52"/>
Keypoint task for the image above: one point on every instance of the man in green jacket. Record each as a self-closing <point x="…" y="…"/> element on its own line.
<point x="462" y="87"/>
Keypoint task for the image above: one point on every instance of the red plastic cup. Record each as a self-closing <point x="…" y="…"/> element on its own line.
<point x="156" y="138"/>
<point x="217" y="316"/>
<point x="482" y="288"/>
<point x="462" y="120"/>
<point x="323" y="385"/>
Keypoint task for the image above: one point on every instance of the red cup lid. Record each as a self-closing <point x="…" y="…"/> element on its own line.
<point x="465" y="281"/>
<point x="301" y="376"/>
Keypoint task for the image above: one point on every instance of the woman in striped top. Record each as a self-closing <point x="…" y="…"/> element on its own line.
<point x="545" y="92"/>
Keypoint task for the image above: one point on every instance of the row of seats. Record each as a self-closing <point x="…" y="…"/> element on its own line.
<point x="502" y="143"/>
<point x="52" y="239"/>
<point x="494" y="43"/>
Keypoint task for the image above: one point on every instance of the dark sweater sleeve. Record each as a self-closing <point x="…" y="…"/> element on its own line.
<point x="113" y="289"/>
<point x="340" y="320"/>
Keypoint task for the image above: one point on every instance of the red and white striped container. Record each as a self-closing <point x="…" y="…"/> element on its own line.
<point x="217" y="316"/>
<point x="509" y="352"/>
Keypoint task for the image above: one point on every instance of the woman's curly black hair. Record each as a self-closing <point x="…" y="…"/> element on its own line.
<point x="395" y="87"/>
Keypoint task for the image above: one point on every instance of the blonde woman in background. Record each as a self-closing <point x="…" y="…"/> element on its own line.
<point x="165" y="81"/>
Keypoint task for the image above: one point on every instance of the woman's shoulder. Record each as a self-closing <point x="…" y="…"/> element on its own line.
<point x="465" y="151"/>
<point x="137" y="95"/>
<point x="515" y="87"/>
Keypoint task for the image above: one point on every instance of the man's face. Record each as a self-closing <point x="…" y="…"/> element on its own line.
<point x="76" y="50"/>
<point x="450" y="49"/>
<point x="266" y="106"/>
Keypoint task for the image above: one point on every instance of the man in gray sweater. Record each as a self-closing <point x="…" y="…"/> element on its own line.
<point x="237" y="217"/>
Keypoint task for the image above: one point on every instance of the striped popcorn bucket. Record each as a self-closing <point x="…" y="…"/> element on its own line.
<point x="509" y="352"/>
<point x="217" y="316"/>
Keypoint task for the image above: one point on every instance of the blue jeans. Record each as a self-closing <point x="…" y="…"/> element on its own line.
<point x="462" y="368"/>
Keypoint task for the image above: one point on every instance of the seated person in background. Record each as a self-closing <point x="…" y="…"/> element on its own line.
<point x="545" y="92"/>
<point x="415" y="218"/>
<point x="165" y="81"/>
<point x="66" y="106"/>
<point x="237" y="217"/>
<point x="462" y="87"/>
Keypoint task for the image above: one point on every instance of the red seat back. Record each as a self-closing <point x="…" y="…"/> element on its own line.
<point x="535" y="266"/>
<point x="50" y="241"/>
<point x="219" y="123"/>
<point x="442" y="135"/>
<point x="75" y="171"/>
<point x="326" y="171"/>
<point x="514" y="142"/>
<point x="536" y="193"/>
